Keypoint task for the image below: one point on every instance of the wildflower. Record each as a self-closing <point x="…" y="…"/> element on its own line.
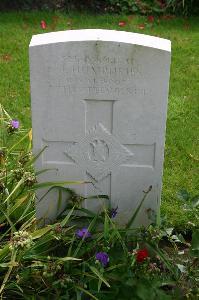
<point x="43" y="24"/>
<point x="83" y="233"/>
<point x="122" y="23"/>
<point x="141" y="26"/>
<point x="153" y="267"/>
<point x="58" y="228"/>
<point x="15" y="124"/>
<point x="29" y="178"/>
<point x="21" y="239"/>
<point x="141" y="255"/>
<point x="103" y="258"/>
<point x="151" y="19"/>
<point x="6" y="57"/>
<point x="113" y="212"/>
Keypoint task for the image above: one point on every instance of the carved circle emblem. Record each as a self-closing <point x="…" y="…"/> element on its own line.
<point x="98" y="150"/>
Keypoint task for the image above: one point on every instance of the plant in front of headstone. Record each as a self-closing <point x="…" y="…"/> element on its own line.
<point x="90" y="262"/>
<point x="83" y="256"/>
<point x="17" y="186"/>
<point x="16" y="173"/>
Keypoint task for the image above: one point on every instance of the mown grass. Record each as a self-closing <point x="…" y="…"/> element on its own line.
<point x="181" y="152"/>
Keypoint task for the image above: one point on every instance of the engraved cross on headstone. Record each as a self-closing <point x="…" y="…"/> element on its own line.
<point x="100" y="153"/>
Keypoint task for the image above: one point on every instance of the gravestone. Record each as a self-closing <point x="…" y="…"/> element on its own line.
<point x="99" y="104"/>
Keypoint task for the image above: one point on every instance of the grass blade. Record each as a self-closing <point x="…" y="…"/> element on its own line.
<point x="86" y="292"/>
<point x="99" y="275"/>
<point x="128" y="225"/>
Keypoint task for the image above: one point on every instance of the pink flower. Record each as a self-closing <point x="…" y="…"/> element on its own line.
<point x="43" y="24"/>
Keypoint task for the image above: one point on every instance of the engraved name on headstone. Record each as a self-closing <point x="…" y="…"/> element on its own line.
<point x="99" y="104"/>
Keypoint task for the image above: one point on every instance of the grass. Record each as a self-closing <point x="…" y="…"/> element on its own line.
<point x="181" y="152"/>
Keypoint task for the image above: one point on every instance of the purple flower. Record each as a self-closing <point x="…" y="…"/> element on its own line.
<point x="113" y="212"/>
<point x="15" y="124"/>
<point x="83" y="233"/>
<point x="103" y="258"/>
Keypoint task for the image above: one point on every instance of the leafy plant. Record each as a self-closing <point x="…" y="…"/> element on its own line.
<point x="82" y="257"/>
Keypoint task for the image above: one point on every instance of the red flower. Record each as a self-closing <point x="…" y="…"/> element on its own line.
<point x="141" y="26"/>
<point x="122" y="23"/>
<point x="6" y="57"/>
<point x="43" y="24"/>
<point x="151" y="19"/>
<point x="167" y="17"/>
<point x="141" y="255"/>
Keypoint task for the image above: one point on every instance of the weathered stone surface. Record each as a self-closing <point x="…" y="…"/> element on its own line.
<point x="99" y="102"/>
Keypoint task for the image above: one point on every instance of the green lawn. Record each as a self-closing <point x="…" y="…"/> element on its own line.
<point x="181" y="153"/>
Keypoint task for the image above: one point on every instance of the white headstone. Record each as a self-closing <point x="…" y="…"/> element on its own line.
<point x="99" y="102"/>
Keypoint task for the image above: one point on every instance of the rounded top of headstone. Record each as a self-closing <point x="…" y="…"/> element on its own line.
<point x="101" y="35"/>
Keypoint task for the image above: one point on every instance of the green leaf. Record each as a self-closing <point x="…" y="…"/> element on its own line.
<point x="164" y="259"/>
<point x="169" y="231"/>
<point x="99" y="275"/>
<point x="195" y="240"/>
<point x="7" y="275"/>
<point x="44" y="170"/>
<point x="179" y="238"/>
<point x="128" y="225"/>
<point x="9" y="264"/>
<point x="18" y="143"/>
<point x="66" y="219"/>
<point x="8" y="218"/>
<point x="20" y="182"/>
<point x="67" y="258"/>
<point x="181" y="268"/>
<point x="195" y="243"/>
<point x="183" y="195"/>
<point x="106" y="227"/>
<point x="34" y="158"/>
<point x="91" y="225"/>
<point x="40" y="232"/>
<point x="97" y="197"/>
<point x="59" y="188"/>
<point x="86" y="211"/>
<point x="86" y="292"/>
<point x="4" y="252"/>
<point x="195" y="201"/>
<point x="58" y="183"/>
<point x="115" y="267"/>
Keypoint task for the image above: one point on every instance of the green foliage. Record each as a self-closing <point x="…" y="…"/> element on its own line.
<point x="54" y="262"/>
<point x="189" y="203"/>
<point x="183" y="7"/>
<point x="195" y="243"/>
